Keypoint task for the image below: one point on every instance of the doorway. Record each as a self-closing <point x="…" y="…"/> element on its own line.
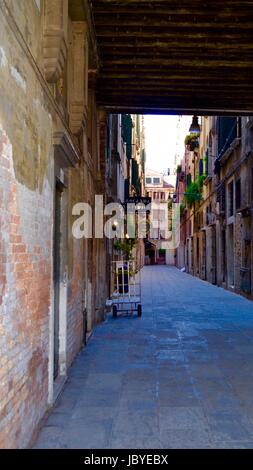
<point x="204" y="255"/>
<point x="230" y="256"/>
<point x="57" y="273"/>
<point x="60" y="284"/>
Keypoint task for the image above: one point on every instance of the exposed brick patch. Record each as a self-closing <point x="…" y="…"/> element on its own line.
<point x="24" y="323"/>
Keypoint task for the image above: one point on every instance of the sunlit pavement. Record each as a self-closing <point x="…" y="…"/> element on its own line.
<point x="179" y="377"/>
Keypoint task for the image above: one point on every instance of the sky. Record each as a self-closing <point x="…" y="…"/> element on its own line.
<point x="164" y="139"/>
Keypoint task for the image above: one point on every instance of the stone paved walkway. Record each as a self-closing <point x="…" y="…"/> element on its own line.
<point x="179" y="377"/>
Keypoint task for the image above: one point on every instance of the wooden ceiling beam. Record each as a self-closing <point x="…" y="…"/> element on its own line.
<point x="111" y="24"/>
<point x="219" y="107"/>
<point x="210" y="55"/>
<point x="170" y="3"/>
<point x="180" y="68"/>
<point x="131" y="87"/>
<point x="180" y="97"/>
<point x="210" y="33"/>
<point x="184" y="6"/>
<point x="169" y="13"/>
<point x="166" y="54"/>
<point x="171" y="78"/>
<point x="164" y="45"/>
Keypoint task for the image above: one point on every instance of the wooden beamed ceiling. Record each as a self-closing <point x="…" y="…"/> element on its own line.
<point x="175" y="56"/>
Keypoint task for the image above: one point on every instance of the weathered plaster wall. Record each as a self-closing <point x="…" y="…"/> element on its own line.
<point x="76" y="271"/>
<point x="26" y="217"/>
<point x="28" y="120"/>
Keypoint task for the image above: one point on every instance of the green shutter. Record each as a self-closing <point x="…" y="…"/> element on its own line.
<point x="127" y="127"/>
<point x="189" y="179"/>
<point x="200" y="167"/>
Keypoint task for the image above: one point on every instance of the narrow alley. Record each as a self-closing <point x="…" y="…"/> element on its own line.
<point x="179" y="377"/>
<point x="126" y="147"/>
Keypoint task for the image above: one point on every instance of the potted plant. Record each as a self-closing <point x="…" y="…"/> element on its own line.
<point x="126" y="246"/>
<point x="194" y="191"/>
<point x="191" y="142"/>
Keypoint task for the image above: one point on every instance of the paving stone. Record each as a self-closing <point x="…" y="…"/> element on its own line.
<point x="179" y="377"/>
<point x="136" y="442"/>
<point x="185" y="439"/>
<point x="182" y="418"/>
<point x="136" y="423"/>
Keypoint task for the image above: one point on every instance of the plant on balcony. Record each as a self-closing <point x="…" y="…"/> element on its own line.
<point x="194" y="191"/>
<point x="179" y="169"/>
<point x="126" y="246"/>
<point x="191" y="141"/>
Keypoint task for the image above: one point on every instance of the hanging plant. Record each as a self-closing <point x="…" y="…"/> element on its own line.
<point x="194" y="191"/>
<point x="191" y="141"/>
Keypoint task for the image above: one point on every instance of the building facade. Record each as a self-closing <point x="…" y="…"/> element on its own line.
<point x="214" y="186"/>
<point x="160" y="191"/>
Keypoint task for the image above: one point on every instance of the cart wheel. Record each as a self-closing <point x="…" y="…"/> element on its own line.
<point x="114" y="311"/>
<point x="139" y="310"/>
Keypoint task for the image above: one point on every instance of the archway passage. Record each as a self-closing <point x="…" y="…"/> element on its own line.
<point x="169" y="56"/>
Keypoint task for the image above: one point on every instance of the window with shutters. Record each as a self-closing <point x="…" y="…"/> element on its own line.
<point x="251" y="184"/>
<point x="238" y="194"/>
<point x="231" y="199"/>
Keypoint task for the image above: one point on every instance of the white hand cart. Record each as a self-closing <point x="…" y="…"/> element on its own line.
<point x="126" y="295"/>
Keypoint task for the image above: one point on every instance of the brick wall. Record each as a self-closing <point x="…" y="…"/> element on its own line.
<point x="29" y="117"/>
<point x="24" y="305"/>
<point x="25" y="240"/>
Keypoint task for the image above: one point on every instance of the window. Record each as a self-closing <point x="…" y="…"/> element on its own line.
<point x="189" y="179"/>
<point x="238" y="194"/>
<point x="227" y="132"/>
<point x="163" y="196"/>
<point x="239" y="127"/>
<point x="156" y="180"/>
<point x="148" y="180"/>
<point x="252" y="184"/>
<point x="207" y="162"/>
<point x="189" y="227"/>
<point x="127" y="128"/>
<point x="201" y="167"/>
<point x="221" y="197"/>
<point x="201" y="219"/>
<point x="207" y="215"/>
<point x="231" y="199"/>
